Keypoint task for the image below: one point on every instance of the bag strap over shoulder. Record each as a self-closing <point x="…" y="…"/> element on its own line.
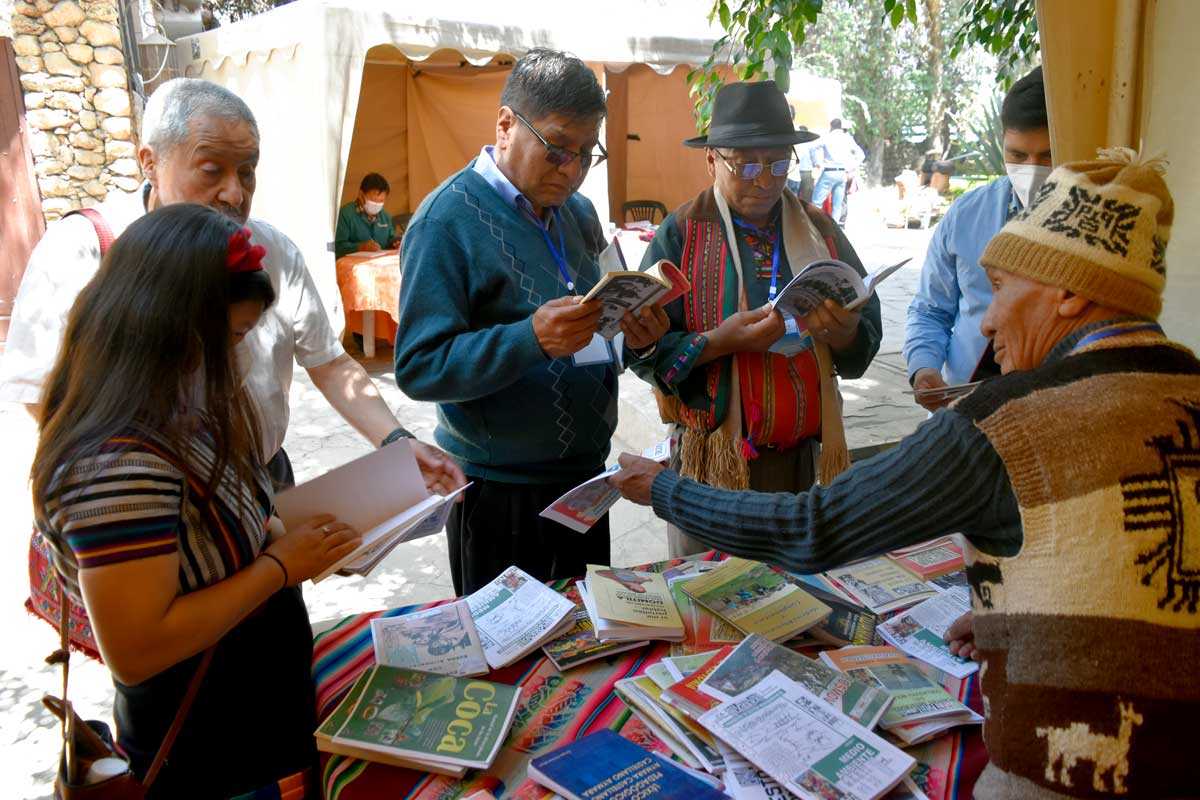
<point x="103" y="231"/>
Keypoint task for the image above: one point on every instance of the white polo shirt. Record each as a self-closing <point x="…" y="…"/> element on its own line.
<point x="295" y="329"/>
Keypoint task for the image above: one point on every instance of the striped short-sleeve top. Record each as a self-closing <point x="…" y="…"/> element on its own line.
<point x="134" y="499"/>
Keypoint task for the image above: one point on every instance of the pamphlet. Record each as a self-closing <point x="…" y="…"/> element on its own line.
<point x="702" y="631"/>
<point x="757" y="657"/>
<point x="805" y="745"/>
<point x="643" y="695"/>
<point x="914" y="696"/>
<point x="881" y="584"/>
<point x="848" y="624"/>
<point x="579" y="645"/>
<point x="829" y="279"/>
<point x="919" y="631"/>
<point x="931" y="562"/>
<point x="629" y="291"/>
<point x="515" y="614"/>
<point x="756" y="599"/>
<point x="632" y="604"/>
<point x="442" y="639"/>
<point x="686" y="695"/>
<point x="583" y="506"/>
<point x="431" y="718"/>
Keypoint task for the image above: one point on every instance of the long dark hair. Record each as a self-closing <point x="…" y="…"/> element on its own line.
<point x="150" y="326"/>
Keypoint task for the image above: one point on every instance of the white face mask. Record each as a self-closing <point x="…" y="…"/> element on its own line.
<point x="372" y="208"/>
<point x="1026" y="180"/>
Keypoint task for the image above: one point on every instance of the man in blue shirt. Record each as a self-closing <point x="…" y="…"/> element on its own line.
<point x="943" y="343"/>
<point x="495" y="263"/>
<point x="364" y="225"/>
<point x="837" y="155"/>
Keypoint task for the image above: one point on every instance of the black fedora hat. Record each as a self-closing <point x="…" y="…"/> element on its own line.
<point x="751" y="115"/>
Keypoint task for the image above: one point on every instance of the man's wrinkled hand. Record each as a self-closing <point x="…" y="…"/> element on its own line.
<point x="960" y="637"/>
<point x="644" y="328"/>
<point x="635" y="477"/>
<point x="564" y="325"/>
<point x="927" y="378"/>
<point x="752" y="331"/>
<point x="833" y="325"/>
<point x="442" y="473"/>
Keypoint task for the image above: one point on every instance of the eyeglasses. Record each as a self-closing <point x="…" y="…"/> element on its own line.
<point x="752" y="170"/>
<point x="561" y="156"/>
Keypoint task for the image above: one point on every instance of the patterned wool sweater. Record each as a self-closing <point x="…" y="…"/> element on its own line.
<point x="1090" y="635"/>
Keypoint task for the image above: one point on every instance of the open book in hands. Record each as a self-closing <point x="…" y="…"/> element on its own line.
<point x="826" y="279"/>
<point x="622" y="290"/>
<point x="381" y="495"/>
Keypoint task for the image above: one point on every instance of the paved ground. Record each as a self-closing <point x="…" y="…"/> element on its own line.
<point x="876" y="410"/>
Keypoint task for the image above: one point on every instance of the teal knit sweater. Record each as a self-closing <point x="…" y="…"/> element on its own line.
<point x="474" y="271"/>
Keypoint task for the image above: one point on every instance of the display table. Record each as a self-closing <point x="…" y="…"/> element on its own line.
<point x="555" y="708"/>
<point x="370" y="288"/>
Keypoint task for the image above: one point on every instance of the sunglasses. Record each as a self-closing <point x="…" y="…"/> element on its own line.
<point x="561" y="156"/>
<point x="750" y="171"/>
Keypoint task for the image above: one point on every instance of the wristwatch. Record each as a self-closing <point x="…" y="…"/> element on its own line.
<point x="396" y="435"/>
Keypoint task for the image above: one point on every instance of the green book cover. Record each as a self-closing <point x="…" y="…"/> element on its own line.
<point x="754" y="598"/>
<point x="421" y="715"/>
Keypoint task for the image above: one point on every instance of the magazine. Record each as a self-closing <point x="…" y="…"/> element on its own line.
<point x="881" y="584"/>
<point x="515" y="614"/>
<point x="757" y="657"/>
<point x="583" y="506"/>
<point x="629" y="604"/>
<point x="381" y="495"/>
<point x="919" y="631"/>
<point x="754" y="598"/>
<point x="579" y="645"/>
<point x="337" y="718"/>
<point x="606" y="766"/>
<point x="915" y="696"/>
<point x="642" y="694"/>
<point x="622" y="291"/>
<point x="438" y="719"/>
<point x="442" y="639"/>
<point x="805" y="745"/>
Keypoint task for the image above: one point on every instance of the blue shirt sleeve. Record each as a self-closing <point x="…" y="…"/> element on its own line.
<point x="934" y="308"/>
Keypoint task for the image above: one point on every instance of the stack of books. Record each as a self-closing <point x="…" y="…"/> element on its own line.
<point x="627" y="605"/>
<point x="420" y="720"/>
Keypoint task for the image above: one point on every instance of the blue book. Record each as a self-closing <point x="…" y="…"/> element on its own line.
<point x="604" y="765"/>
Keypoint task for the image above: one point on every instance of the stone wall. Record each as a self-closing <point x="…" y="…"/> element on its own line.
<point x="77" y="101"/>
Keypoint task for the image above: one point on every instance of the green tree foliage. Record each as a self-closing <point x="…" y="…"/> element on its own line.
<point x="763" y="38"/>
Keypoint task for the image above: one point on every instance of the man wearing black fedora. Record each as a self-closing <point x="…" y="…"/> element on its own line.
<point x="746" y="417"/>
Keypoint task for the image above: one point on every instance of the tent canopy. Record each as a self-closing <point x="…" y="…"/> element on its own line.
<point x="310" y="69"/>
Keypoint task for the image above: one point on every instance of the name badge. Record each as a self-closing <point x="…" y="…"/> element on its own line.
<point x="598" y="351"/>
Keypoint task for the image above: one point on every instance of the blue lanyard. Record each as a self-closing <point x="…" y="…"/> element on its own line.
<point x="774" y="258"/>
<point x="560" y="254"/>
<point x="1117" y="331"/>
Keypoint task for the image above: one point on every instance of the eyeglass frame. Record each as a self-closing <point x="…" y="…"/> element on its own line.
<point x="552" y="149"/>
<point x="740" y="174"/>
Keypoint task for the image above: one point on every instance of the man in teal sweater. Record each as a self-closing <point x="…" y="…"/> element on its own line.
<point x="492" y="329"/>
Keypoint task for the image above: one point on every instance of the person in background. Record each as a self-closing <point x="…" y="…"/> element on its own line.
<point x="835" y="154"/>
<point x="200" y="144"/>
<point x="148" y="485"/>
<point x="943" y="343"/>
<point x="495" y="263"/>
<point x="1071" y="476"/>
<point x="801" y="184"/>
<point x="364" y="225"/>
<point x="744" y="416"/>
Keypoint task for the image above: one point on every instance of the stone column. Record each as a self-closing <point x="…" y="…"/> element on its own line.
<point x="77" y="101"/>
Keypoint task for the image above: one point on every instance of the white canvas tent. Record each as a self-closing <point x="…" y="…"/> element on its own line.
<point x="342" y="88"/>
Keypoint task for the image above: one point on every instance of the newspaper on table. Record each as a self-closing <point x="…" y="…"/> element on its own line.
<point x="807" y="746"/>
<point x="441" y="639"/>
<point x="583" y="506"/>
<point x="515" y="614"/>
<point x="919" y="631"/>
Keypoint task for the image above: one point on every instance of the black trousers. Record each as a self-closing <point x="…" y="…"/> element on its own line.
<point x="497" y="525"/>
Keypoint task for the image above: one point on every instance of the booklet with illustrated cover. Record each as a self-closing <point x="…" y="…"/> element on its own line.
<point x="579" y="645"/>
<point x="920" y="631"/>
<point x="756" y="599"/>
<point x="516" y="614"/>
<point x="629" y="604"/>
<point x="881" y="584"/>
<point x="442" y="639"/>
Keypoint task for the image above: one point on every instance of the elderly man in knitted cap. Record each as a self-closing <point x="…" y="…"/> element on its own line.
<point x="1073" y="475"/>
<point x="746" y="417"/>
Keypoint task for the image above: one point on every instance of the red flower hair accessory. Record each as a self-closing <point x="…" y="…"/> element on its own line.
<point x="243" y="256"/>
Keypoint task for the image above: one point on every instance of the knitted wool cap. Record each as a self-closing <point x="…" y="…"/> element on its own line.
<point x="1097" y="228"/>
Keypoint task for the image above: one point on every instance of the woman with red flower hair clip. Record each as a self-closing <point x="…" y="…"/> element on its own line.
<point x="151" y="490"/>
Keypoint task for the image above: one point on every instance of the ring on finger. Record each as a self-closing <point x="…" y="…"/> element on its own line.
<point x="325" y="529"/>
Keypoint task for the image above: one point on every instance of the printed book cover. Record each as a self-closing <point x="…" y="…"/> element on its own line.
<point x="756" y="599"/>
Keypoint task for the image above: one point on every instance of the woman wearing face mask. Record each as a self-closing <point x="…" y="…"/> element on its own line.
<point x="943" y="343"/>
<point x="363" y="225"/>
<point x="148" y="485"/>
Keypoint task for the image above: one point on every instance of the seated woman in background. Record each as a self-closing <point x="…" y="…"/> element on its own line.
<point x="148" y="484"/>
<point x="363" y="225"/>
